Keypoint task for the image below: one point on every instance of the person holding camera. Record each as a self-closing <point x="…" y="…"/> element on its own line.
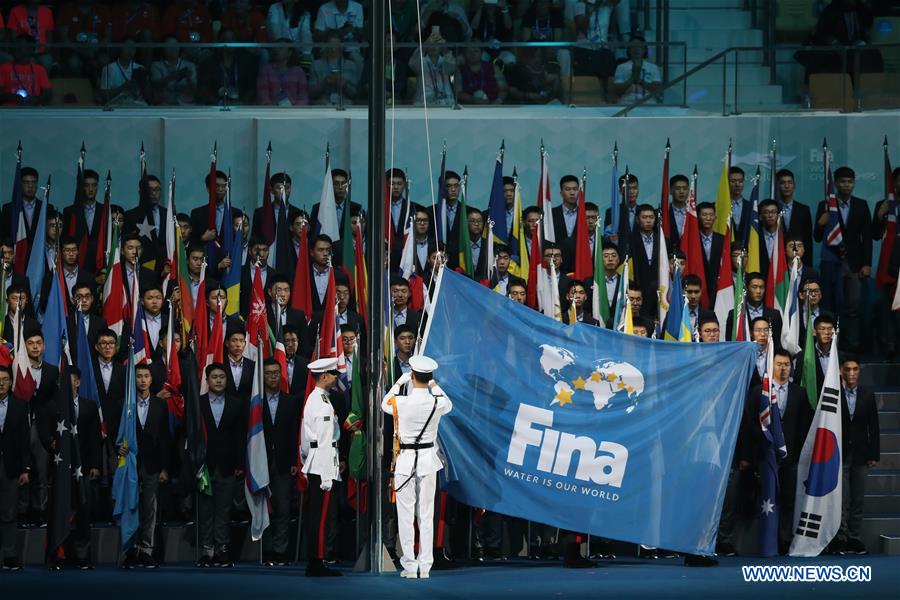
<point x="174" y="78"/>
<point x="434" y="69"/>
<point x="332" y="76"/>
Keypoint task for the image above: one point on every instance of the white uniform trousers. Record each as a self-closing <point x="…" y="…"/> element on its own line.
<point x="415" y="501"/>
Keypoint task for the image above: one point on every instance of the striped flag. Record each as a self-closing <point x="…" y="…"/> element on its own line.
<point x="327" y="218"/>
<point x="544" y="199"/>
<point x="115" y="304"/>
<point x="257" y="478"/>
<point x="725" y="283"/>
<point x="599" y="296"/>
<point x="777" y="282"/>
<point x="584" y="265"/>
<point x="790" y="316"/>
<point x="497" y="201"/>
<point x="615" y="196"/>
<point x="466" y="263"/>
<point x="518" y="249"/>
<point x="37" y="260"/>
<point x="676" y="308"/>
<point x="663" y="274"/>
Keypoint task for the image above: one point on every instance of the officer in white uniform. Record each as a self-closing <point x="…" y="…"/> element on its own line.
<point x="318" y="451"/>
<point x="415" y="473"/>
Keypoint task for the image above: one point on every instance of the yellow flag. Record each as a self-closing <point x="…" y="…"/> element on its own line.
<point x="723" y="199"/>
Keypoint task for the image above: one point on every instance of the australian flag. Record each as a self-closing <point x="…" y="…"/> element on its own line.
<point x="774" y="451"/>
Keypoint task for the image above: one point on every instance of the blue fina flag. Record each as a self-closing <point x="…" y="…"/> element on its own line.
<point x="125" y="480"/>
<point x="584" y="428"/>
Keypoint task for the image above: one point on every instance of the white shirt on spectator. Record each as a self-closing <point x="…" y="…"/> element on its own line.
<point x="278" y="25"/>
<point x="329" y="17"/>
<point x="115" y="75"/>
<point x="649" y="74"/>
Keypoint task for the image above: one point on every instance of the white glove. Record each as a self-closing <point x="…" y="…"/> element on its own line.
<point x="404" y="379"/>
<point x="326" y="485"/>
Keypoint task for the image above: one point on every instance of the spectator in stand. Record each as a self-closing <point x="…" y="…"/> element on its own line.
<point x="247" y="22"/>
<point x="122" y="81"/>
<point x="135" y="20"/>
<point x="591" y="23"/>
<point x="87" y="23"/>
<point x="597" y="14"/>
<point x="637" y="77"/>
<point x="174" y="78"/>
<point x="332" y="76"/>
<point x="449" y="18"/>
<point x="542" y="22"/>
<point x="439" y="64"/>
<point x="531" y="80"/>
<point x="491" y="23"/>
<point x="282" y="82"/>
<point x="842" y="23"/>
<point x="480" y="81"/>
<point x="22" y="81"/>
<point x="346" y="17"/>
<point x="36" y="21"/>
<point x="188" y="21"/>
<point x="227" y="73"/>
<point x="291" y="20"/>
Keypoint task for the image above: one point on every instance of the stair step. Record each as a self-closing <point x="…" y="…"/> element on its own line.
<point x="887" y="400"/>
<point x="882" y="482"/>
<point x="712" y="75"/>
<point x="889" y="460"/>
<point x="700" y="5"/>
<point x="718" y="38"/>
<point x="879" y="374"/>
<point x="890" y="441"/>
<point x="713" y="18"/>
<point x="882" y="503"/>
<point x="889" y="419"/>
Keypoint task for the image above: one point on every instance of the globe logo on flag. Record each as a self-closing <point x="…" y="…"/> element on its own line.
<point x="612" y="384"/>
<point x="825" y="463"/>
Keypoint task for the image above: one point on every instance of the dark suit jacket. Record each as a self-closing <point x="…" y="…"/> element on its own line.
<point x="282" y="436"/>
<point x="741" y="230"/>
<point x="308" y="332"/>
<point x="795" y="423"/>
<point x="801" y="224"/>
<point x="861" y="434"/>
<point x="337" y="250"/>
<point x="199" y="220"/>
<point x="15" y="446"/>
<point x="95" y="325"/>
<point x="6" y="216"/>
<point x="771" y="314"/>
<point x="798" y="370"/>
<point x="297" y="384"/>
<point x="286" y="261"/>
<point x="511" y="280"/>
<point x="153" y="438"/>
<point x="74" y="223"/>
<point x="569" y="251"/>
<point x="89" y="439"/>
<point x="292" y="316"/>
<point x="646" y="272"/>
<point x="111" y="400"/>
<point x="625" y="232"/>
<point x="243" y="390"/>
<point x="712" y="264"/>
<point x="225" y="444"/>
<point x="764" y="254"/>
<point x="857" y="233"/>
<point x="451" y="236"/>
<point x="317" y="304"/>
<point x="247" y="285"/>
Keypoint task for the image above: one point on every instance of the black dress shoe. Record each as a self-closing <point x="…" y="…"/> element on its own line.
<point x="205" y="561"/>
<point x="12" y="564"/>
<point x="695" y="560"/>
<point x="55" y="566"/>
<point x="147" y="561"/>
<point x="574" y="560"/>
<point x="85" y="565"/>
<point x="131" y="561"/>
<point x="222" y="560"/>
<point x="856" y="547"/>
<point x="725" y="550"/>
<point x="281" y="560"/>
<point x="443" y="563"/>
<point x="317" y="568"/>
<point x="646" y="552"/>
<point x="666" y="553"/>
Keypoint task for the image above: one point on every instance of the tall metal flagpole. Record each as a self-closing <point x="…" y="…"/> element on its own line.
<point x="377" y="251"/>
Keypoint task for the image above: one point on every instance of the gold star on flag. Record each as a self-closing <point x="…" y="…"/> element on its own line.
<point x="596" y="376"/>
<point x="579" y="383"/>
<point x="564" y="396"/>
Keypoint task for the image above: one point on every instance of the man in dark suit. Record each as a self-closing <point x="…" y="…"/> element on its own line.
<point x="149" y="219"/>
<point x="87" y="419"/>
<point x="31" y="206"/>
<point x="611" y="261"/>
<point x="796" y="418"/>
<point x="345" y="316"/>
<point x="809" y="294"/>
<point x="888" y="322"/>
<point x="628" y="224"/>
<point x="83" y="306"/>
<point x="478" y="241"/>
<point x="71" y="272"/>
<point x="861" y="451"/>
<point x="132" y="269"/>
<point x="501" y="278"/>
<point x="592" y="215"/>
<point x="153" y="464"/>
<point x="768" y="233"/>
<point x="41" y="405"/>
<point x="295" y="361"/>
<point x="565" y="215"/>
<point x="755" y="307"/>
<point x="843" y="267"/>
<point x="645" y="253"/>
<point x="823" y="332"/>
<point x="400" y="311"/>
<point x="110" y="377"/>
<point x="447" y="217"/>
<point x="712" y="244"/>
<point x="239" y="370"/>
<point x="341" y="181"/>
<point x="679" y="189"/>
<point x="225" y="422"/>
<point x="257" y="259"/>
<point x="200" y="229"/>
<point x="319" y="273"/>
<point x="795" y="246"/>
<point x="795" y="215"/>
<point x="399" y="210"/>
<point x="82" y="219"/>
<point x="740" y="206"/>
<point x="281" y="422"/>
<point x="283" y="213"/>
<point x="279" y="293"/>
<point x="15" y="460"/>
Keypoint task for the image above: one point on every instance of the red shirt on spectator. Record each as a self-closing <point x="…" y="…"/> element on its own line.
<point x="247" y="28"/>
<point x="94" y="23"/>
<point x="31" y="77"/>
<point x="133" y="19"/>
<point x="182" y="20"/>
<point x="38" y="25"/>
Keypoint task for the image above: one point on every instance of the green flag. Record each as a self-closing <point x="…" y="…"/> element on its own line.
<point x="465" y="245"/>
<point x="738" y="302"/>
<point x="357" y="457"/>
<point x="808" y="380"/>
<point x="600" y="297"/>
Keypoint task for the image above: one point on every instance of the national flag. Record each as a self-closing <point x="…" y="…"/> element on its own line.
<point x="723" y="200"/>
<point x="883" y="275"/>
<point x="777" y="282"/>
<point x="24" y="383"/>
<point x="173" y="242"/>
<point x="741" y="327"/>
<point x="140" y="343"/>
<point x="627" y="325"/>
<point x="54" y="323"/>
<point x="233" y="245"/>
<point x="104" y="235"/>
<point x="175" y="401"/>
<point x="257" y="321"/>
<point x="518" y="249"/>
<point x="724" y="285"/>
<point x="497" y="202"/>
<point x="535" y="269"/>
<point x="408" y="255"/>
<point x="790" y="316"/>
<point x="664" y="196"/>
<point x="257" y="478"/>
<point x="664" y="298"/>
<point x="774" y="450"/>
<point x="584" y="265"/>
<point x="20" y="261"/>
<point x="809" y="380"/>
<point x="37" y="260"/>
<point x="599" y="295"/>
<point x="348" y="242"/>
<point x="360" y="278"/>
<point x="676" y="307"/>
<point x="77" y="203"/>
<point x="691" y="244"/>
<point x="69" y="490"/>
<point x="817" y="510"/>
<point x="544" y="199"/>
<point x="125" y="480"/>
<point x="200" y="324"/>
<point x="623" y="305"/>
<point x="548" y="292"/>
<point x="16" y="199"/>
<point x="115" y="303"/>
<point x="754" y="239"/>
<point x="301" y="293"/>
<point x="327" y="335"/>
<point x="328" y="223"/>
<point x="195" y="429"/>
<point x="615" y="195"/>
<point x="3" y="305"/>
<point x="87" y="390"/>
<point x="834" y="231"/>
<point x="466" y="263"/>
<point x="279" y="354"/>
<point x="267" y="215"/>
<point x="183" y="277"/>
<point x="214" y="351"/>
<point x="686" y="328"/>
<point x="441" y="228"/>
<point x="211" y="205"/>
<point x="356" y="458"/>
<point x="490" y="260"/>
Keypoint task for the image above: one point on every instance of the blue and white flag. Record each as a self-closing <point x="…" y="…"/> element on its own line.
<point x="581" y="427"/>
<point x="125" y="480"/>
<point x="257" y="479"/>
<point x="774" y="450"/>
